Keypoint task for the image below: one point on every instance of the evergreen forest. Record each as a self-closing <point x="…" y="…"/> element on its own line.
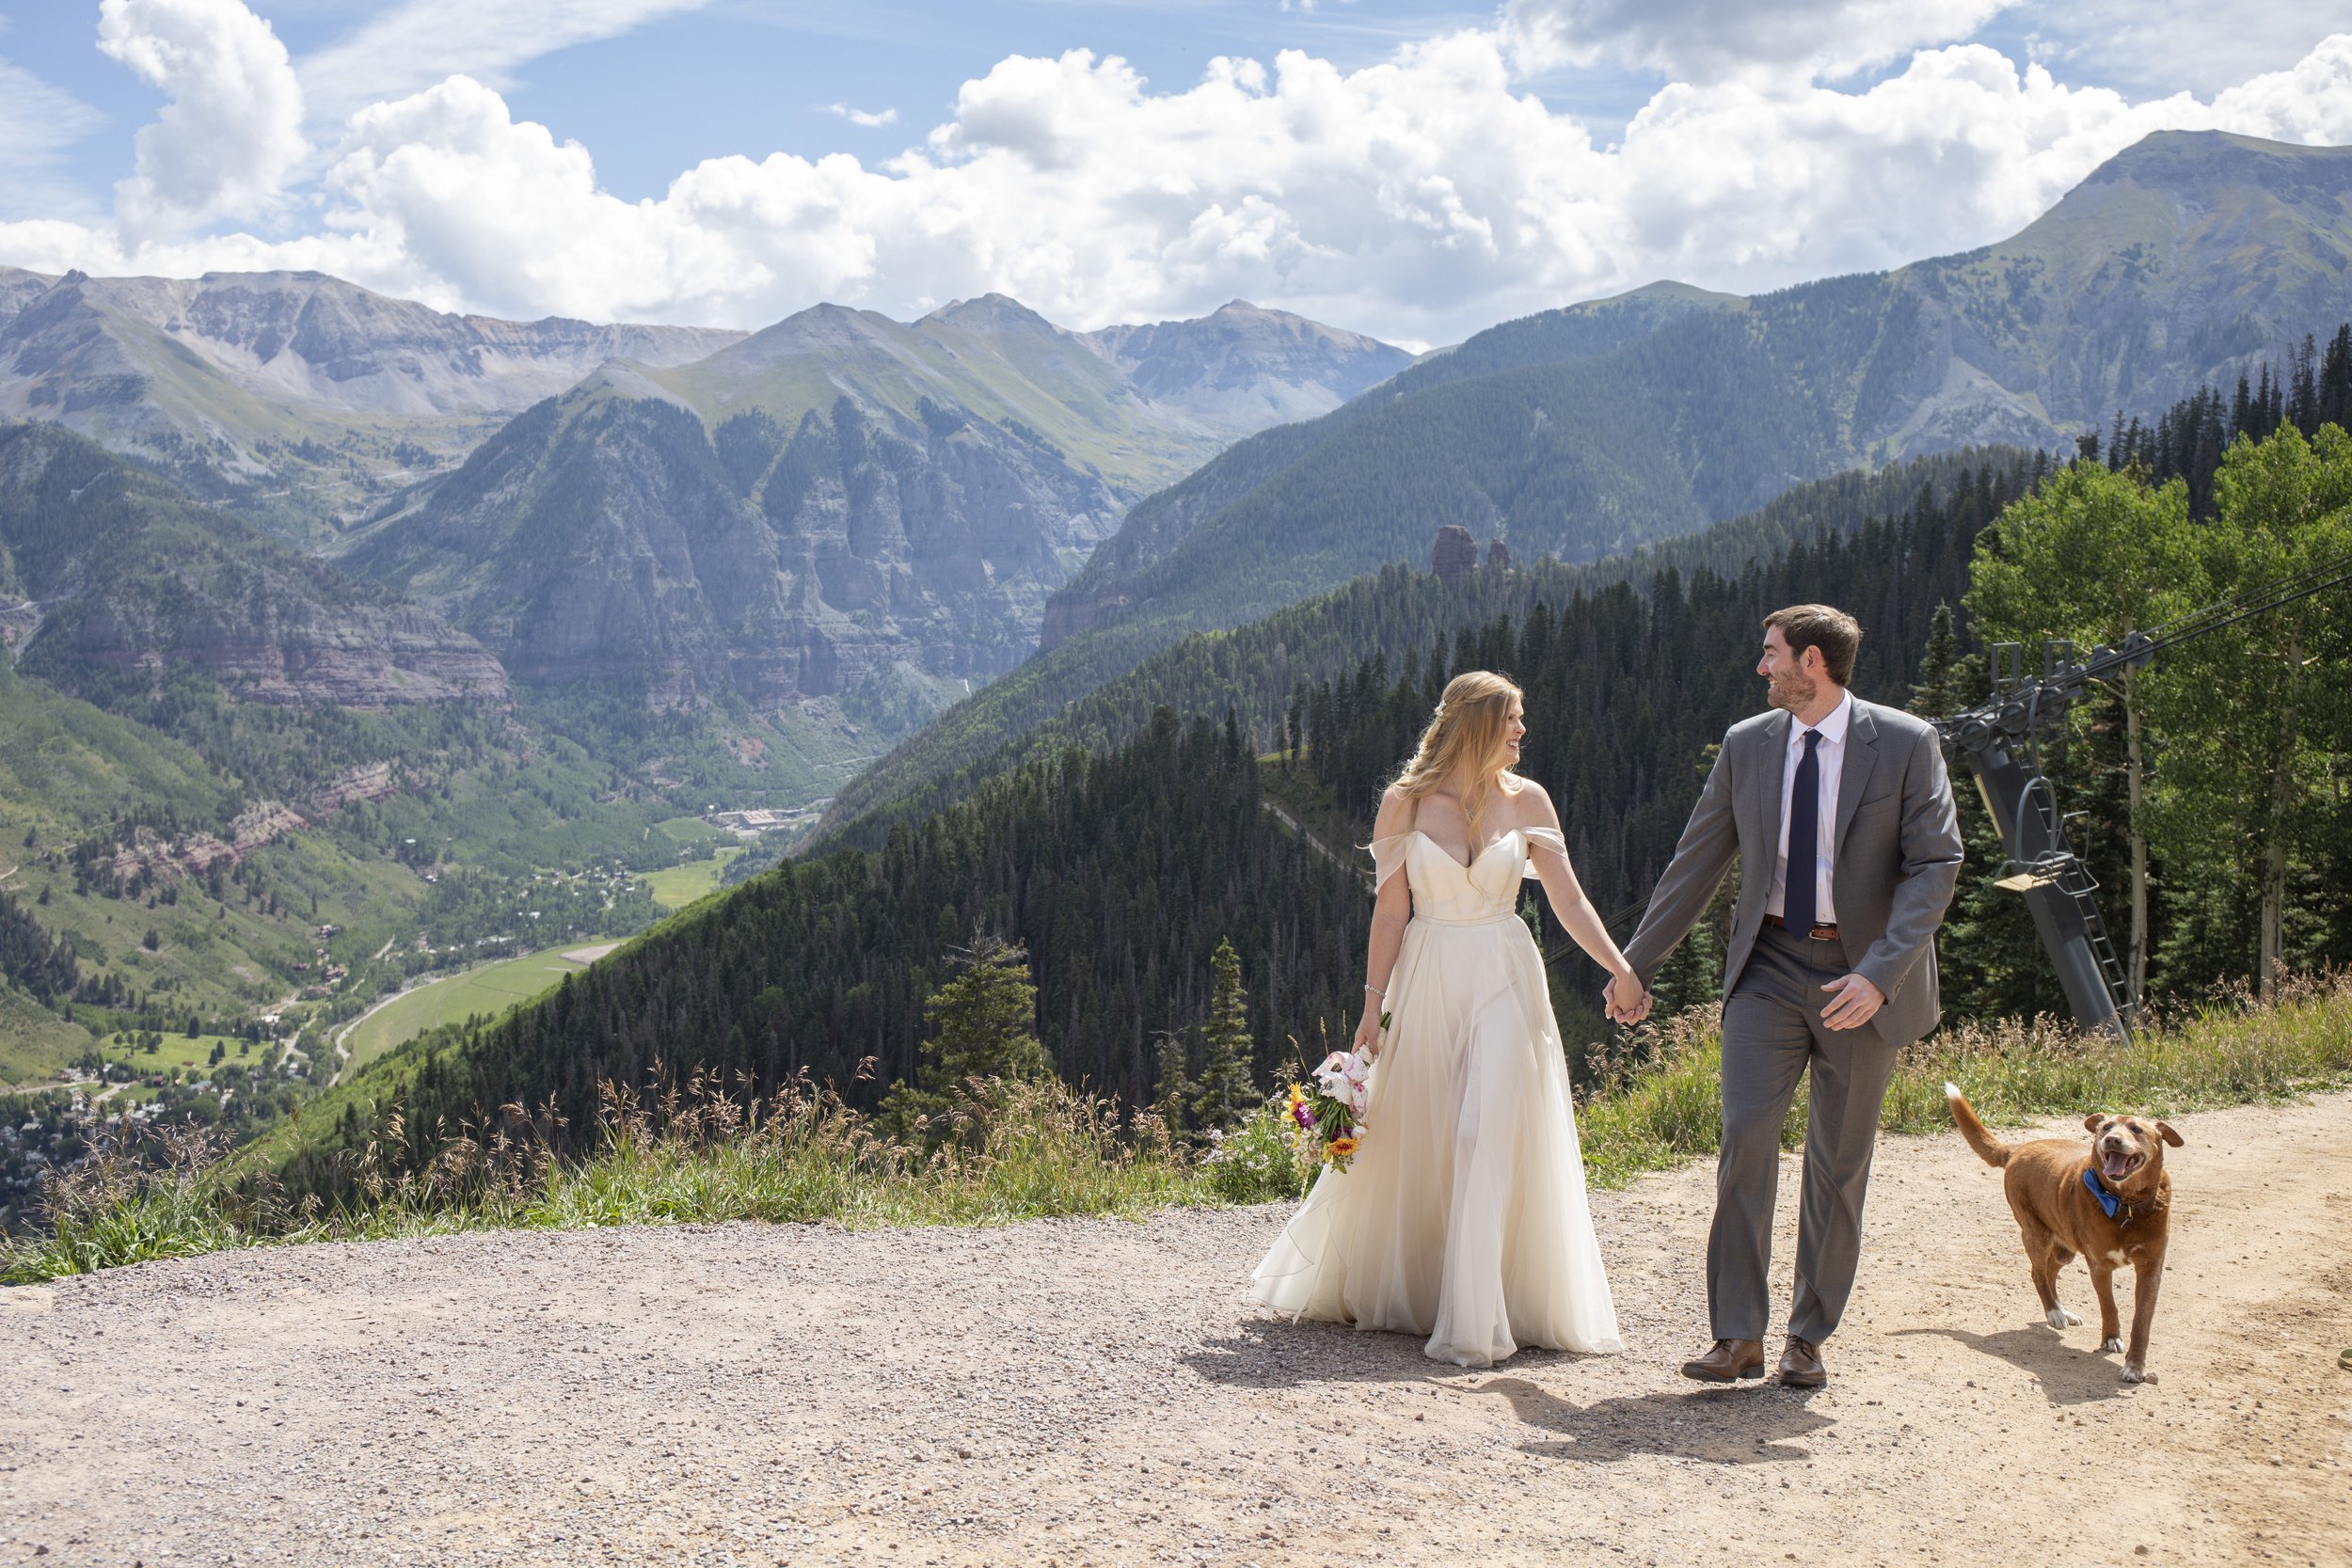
<point x="1122" y="869"/>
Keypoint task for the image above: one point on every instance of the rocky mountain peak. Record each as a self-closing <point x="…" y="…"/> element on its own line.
<point x="991" y="312"/>
<point x="1243" y="364"/>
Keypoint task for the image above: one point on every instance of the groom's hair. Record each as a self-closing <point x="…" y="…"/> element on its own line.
<point x="1837" y="634"/>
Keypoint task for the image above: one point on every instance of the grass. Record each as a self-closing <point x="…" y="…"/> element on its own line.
<point x="34" y="1041"/>
<point x="674" y="887"/>
<point x="489" y="991"/>
<point x="2229" y="1053"/>
<point x="692" y="1156"/>
<point x="191" y="1055"/>
<point x="1026" y="1151"/>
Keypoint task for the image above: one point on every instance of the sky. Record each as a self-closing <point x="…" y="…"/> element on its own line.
<point x="1413" y="171"/>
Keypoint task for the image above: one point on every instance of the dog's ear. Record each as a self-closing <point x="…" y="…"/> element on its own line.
<point x="2164" y="1130"/>
<point x="2091" y="1122"/>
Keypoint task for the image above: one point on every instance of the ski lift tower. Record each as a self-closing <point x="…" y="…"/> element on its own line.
<point x="2001" y="741"/>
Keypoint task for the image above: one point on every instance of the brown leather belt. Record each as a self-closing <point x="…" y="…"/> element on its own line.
<point x="1818" y="933"/>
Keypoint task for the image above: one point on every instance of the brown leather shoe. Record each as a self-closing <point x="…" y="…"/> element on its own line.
<point x="1800" y="1364"/>
<point x="1730" y="1360"/>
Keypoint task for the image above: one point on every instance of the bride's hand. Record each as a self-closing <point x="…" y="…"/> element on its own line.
<point x="1367" y="1040"/>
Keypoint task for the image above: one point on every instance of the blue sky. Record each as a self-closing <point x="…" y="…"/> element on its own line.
<point x="1412" y="170"/>
<point x="757" y="75"/>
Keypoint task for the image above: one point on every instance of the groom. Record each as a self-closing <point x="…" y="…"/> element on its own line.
<point x="1840" y="813"/>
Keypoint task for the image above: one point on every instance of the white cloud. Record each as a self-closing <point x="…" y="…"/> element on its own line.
<point x="2170" y="44"/>
<point x="1421" y="197"/>
<point x="232" y="127"/>
<point x="1705" y="41"/>
<point x="2312" y="101"/>
<point x="418" y="42"/>
<point x="871" y="121"/>
<point x="38" y="122"/>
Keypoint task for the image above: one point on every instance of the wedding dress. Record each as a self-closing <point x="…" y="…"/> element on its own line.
<point x="1463" y="1217"/>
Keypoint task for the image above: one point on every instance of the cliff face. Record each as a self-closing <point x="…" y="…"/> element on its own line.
<point x="607" y="538"/>
<point x="113" y="572"/>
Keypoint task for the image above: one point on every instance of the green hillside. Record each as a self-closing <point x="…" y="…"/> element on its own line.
<point x="1076" y="694"/>
<point x="1121" y="872"/>
<point x="237" y="782"/>
<point x="76" y="781"/>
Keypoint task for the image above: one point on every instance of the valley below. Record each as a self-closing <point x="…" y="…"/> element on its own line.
<point x="1097" y="1392"/>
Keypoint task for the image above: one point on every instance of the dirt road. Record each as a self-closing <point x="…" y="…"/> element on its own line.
<point x="1096" y="1392"/>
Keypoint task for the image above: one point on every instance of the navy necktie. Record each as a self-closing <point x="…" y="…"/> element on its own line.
<point x="1805" y="834"/>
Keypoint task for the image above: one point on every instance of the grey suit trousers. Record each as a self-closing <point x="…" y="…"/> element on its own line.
<point x="1773" y="1032"/>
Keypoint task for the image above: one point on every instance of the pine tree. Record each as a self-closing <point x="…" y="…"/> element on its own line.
<point x="982" y="1027"/>
<point x="1170" y="1087"/>
<point x="983" y="1022"/>
<point x="1931" y="696"/>
<point x="1225" y="1093"/>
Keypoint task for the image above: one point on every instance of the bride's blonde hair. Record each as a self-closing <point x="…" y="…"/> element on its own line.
<point x="1467" y="727"/>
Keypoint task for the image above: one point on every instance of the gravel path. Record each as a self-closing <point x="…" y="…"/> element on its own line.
<point x="1095" y="1392"/>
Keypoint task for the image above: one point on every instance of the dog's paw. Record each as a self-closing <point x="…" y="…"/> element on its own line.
<point x="2109" y="1346"/>
<point x="2133" y="1373"/>
<point x="2058" y="1317"/>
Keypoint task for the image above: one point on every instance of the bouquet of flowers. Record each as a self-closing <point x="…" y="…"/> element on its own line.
<point x="1328" y="1113"/>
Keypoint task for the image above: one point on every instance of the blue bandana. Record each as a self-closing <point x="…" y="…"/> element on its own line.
<point x="2107" y="1200"/>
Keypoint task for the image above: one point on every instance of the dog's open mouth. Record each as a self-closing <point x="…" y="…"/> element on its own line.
<point x="2117" y="1164"/>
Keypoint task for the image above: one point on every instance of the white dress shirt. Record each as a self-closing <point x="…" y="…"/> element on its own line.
<point x="1829" y="756"/>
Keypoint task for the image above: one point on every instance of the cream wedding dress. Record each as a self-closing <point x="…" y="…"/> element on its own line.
<point x="1462" y="1218"/>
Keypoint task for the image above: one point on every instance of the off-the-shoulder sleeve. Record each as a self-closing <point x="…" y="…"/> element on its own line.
<point x="1388" y="858"/>
<point x="1541" y="838"/>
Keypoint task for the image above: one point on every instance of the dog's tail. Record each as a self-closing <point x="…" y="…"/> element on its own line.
<point x="1994" y="1154"/>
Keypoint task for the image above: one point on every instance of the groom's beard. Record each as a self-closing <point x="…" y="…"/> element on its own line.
<point x="1792" y="691"/>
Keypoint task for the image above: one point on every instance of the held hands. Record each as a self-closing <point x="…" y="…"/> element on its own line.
<point x="1625" y="999"/>
<point x="1853" y="1000"/>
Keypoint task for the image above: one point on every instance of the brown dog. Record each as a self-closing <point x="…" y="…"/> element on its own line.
<point x="2112" y="1205"/>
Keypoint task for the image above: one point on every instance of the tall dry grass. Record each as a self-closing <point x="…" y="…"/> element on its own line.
<point x="2230" y="1051"/>
<point x="695" y="1153"/>
<point x="689" y="1153"/>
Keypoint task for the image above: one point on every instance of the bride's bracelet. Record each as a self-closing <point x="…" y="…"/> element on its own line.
<point x="1377" y="994"/>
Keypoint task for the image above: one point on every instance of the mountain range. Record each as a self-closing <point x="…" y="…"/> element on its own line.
<point x="841" y="503"/>
<point x="299" y="398"/>
<point x="1605" y="426"/>
<point x="859" y="503"/>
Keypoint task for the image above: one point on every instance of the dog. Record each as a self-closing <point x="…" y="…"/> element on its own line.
<point x="2112" y="1206"/>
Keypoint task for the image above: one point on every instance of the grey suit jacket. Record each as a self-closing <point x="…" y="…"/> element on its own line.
<point x="1898" y="856"/>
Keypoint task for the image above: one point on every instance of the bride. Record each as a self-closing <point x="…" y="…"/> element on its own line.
<point x="1463" y="1217"/>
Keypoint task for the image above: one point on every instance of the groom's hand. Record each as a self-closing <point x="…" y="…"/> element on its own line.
<point x="1625" y="1000"/>
<point x="1853" y="1002"/>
